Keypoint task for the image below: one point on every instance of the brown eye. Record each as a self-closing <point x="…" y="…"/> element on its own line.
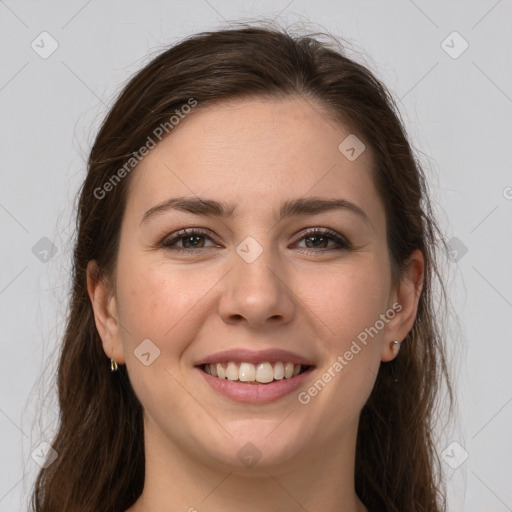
<point x="190" y="239"/>
<point x="317" y="241"/>
<point x="320" y="238"/>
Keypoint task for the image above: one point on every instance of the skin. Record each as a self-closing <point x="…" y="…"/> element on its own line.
<point x="256" y="153"/>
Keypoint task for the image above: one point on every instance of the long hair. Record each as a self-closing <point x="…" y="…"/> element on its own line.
<point x="99" y="440"/>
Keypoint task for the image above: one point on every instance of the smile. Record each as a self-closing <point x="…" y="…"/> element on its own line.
<point x="259" y="383"/>
<point x="262" y="373"/>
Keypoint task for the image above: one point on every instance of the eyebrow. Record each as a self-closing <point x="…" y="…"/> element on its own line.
<point x="290" y="208"/>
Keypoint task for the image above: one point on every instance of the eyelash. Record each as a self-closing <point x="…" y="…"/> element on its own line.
<point x="323" y="232"/>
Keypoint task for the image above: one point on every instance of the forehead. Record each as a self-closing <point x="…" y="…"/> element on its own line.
<point x="255" y="152"/>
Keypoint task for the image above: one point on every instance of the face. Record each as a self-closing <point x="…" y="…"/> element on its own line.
<point x="308" y="286"/>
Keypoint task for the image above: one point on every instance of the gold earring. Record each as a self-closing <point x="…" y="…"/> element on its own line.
<point x="395" y="348"/>
<point x="113" y="366"/>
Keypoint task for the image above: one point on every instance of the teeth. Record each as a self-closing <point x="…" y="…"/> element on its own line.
<point x="265" y="373"/>
<point x="221" y="373"/>
<point x="232" y="371"/>
<point x="279" y="371"/>
<point x="248" y="372"/>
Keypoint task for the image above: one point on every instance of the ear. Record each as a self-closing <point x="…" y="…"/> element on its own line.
<point x="105" y="312"/>
<point x="405" y="299"/>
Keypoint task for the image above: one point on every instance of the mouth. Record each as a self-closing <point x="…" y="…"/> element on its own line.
<point x="263" y="373"/>
<point x="255" y="383"/>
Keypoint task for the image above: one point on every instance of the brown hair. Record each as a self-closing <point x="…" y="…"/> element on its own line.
<point x="100" y="463"/>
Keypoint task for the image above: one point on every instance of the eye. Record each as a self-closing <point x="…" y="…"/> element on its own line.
<point x="190" y="238"/>
<point x="319" y="238"/>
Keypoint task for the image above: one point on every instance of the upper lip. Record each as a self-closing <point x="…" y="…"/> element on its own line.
<point x="250" y="356"/>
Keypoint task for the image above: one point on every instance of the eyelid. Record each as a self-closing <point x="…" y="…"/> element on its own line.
<point x="342" y="242"/>
<point x="322" y="231"/>
<point x="181" y="233"/>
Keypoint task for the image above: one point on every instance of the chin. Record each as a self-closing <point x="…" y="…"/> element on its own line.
<point x="257" y="448"/>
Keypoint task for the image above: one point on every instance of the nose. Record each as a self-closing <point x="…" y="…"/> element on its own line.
<point x="258" y="294"/>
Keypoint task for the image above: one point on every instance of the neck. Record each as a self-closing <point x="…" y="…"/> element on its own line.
<point x="177" y="480"/>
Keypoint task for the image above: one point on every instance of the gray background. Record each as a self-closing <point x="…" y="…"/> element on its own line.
<point x="457" y="112"/>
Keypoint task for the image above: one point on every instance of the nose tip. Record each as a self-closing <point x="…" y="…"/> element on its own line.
<point x="254" y="292"/>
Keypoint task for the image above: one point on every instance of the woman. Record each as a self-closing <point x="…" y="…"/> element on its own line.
<point x="252" y="323"/>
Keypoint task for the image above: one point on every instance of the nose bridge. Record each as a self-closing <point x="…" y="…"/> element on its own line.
<point x="256" y="266"/>
<point x="256" y="269"/>
<point x="256" y="288"/>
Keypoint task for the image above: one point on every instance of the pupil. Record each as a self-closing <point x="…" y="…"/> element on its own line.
<point x="315" y="237"/>
<point x="189" y="238"/>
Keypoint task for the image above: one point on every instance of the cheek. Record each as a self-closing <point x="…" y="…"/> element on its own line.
<point x="346" y="300"/>
<point x="161" y="303"/>
<point x="347" y="307"/>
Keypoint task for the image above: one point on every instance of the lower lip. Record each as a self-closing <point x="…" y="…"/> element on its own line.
<point x="256" y="393"/>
